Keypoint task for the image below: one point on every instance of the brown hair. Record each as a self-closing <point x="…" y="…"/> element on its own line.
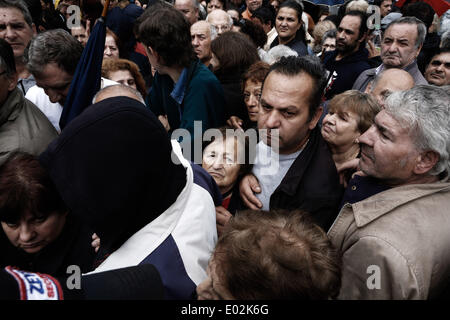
<point x="119" y="45"/>
<point x="235" y="52"/>
<point x="277" y="255"/>
<point x="112" y="65"/>
<point x="25" y="186"/>
<point x="257" y="72"/>
<point x="362" y="104"/>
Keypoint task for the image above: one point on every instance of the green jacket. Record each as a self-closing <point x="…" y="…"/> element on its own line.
<point x="202" y="99"/>
<point x="23" y="127"/>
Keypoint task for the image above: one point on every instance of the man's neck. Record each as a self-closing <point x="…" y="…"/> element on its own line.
<point x="21" y="69"/>
<point x="174" y="73"/>
<point x="299" y="147"/>
<point x="206" y="61"/>
<point x="416" y="179"/>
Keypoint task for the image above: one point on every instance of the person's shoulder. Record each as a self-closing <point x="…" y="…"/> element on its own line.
<point x="133" y="10"/>
<point x="204" y="180"/>
<point x="329" y="57"/>
<point x="204" y="80"/>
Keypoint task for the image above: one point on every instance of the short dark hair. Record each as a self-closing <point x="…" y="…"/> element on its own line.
<point x="7" y="61"/>
<point x="421" y="10"/>
<point x="25" y="186"/>
<point x="292" y="66"/>
<point x="363" y="18"/>
<point x="54" y="46"/>
<point x="277" y="254"/>
<point x="254" y="31"/>
<point x="235" y="52"/>
<point x="166" y="31"/>
<point x="265" y="14"/>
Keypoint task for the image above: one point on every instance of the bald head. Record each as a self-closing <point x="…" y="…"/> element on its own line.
<point x="390" y="80"/>
<point x="118" y="90"/>
<point x="221" y="20"/>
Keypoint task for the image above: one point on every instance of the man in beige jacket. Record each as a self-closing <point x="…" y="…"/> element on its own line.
<point x="394" y="227"/>
<point x="23" y="127"/>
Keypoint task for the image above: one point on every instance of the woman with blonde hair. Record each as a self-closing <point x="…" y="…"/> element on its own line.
<point x="350" y="114"/>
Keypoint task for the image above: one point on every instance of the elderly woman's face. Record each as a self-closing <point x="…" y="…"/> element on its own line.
<point x="33" y="233"/>
<point x="220" y="159"/>
<point x="340" y="127"/>
<point x="252" y="93"/>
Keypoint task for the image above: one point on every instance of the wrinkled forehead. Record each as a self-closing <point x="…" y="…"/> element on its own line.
<point x="200" y="28"/>
<point x="443" y="57"/>
<point x="402" y="30"/>
<point x="11" y="14"/>
<point x="219" y="18"/>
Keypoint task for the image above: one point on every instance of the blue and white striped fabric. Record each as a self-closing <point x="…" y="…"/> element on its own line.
<point x="179" y="242"/>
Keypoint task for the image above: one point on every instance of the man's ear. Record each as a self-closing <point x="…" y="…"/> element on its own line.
<point x="363" y="38"/>
<point x="315" y="118"/>
<point x="425" y="162"/>
<point x="369" y="87"/>
<point x="33" y="27"/>
<point x="418" y="50"/>
<point x="152" y="52"/>
<point x="12" y="81"/>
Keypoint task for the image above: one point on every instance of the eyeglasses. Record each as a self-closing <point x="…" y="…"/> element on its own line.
<point x="437" y="63"/>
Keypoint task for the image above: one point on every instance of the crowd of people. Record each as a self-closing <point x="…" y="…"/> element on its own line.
<point x="236" y="149"/>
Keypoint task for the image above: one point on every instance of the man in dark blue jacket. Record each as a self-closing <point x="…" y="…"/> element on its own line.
<point x="350" y="58"/>
<point x="293" y="167"/>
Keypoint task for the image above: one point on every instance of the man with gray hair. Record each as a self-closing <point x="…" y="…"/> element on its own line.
<point x="189" y="8"/>
<point x="17" y="28"/>
<point x="401" y="44"/>
<point x="202" y="33"/>
<point x="394" y="226"/>
<point x="52" y="59"/>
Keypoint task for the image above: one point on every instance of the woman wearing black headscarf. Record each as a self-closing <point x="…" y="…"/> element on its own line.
<point x="118" y="171"/>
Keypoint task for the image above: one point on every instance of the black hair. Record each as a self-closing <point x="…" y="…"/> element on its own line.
<point x="166" y="31"/>
<point x="363" y="18"/>
<point x="7" y="58"/>
<point x="421" y="10"/>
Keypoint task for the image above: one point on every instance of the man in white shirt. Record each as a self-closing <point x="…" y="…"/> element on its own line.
<point x="52" y="59"/>
<point x="299" y="172"/>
